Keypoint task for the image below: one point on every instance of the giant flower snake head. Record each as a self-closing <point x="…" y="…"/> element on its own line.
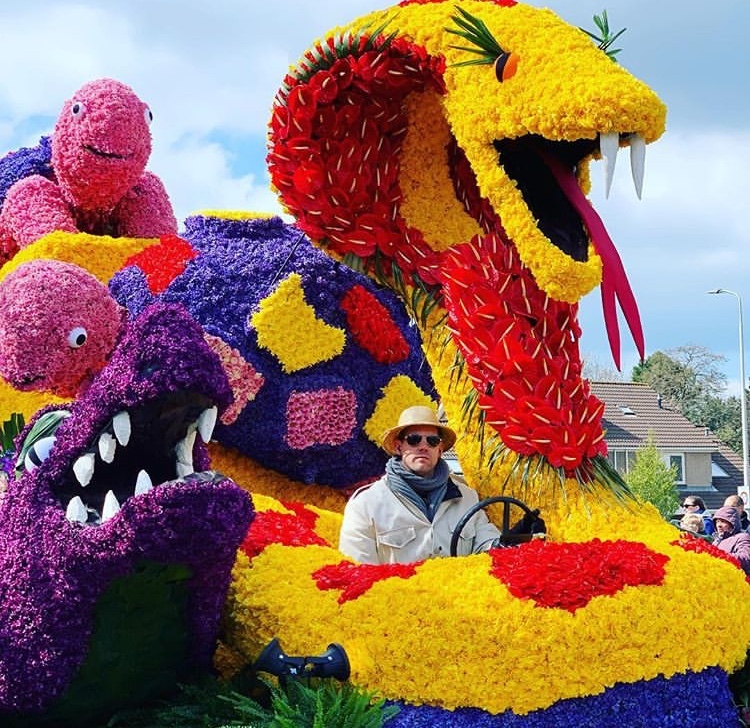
<point x="463" y="183"/>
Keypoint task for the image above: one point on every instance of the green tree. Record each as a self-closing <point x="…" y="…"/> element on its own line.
<point x="689" y="379"/>
<point x="652" y="480"/>
<point x="684" y="376"/>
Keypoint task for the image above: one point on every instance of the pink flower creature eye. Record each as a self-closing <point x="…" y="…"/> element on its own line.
<point x="148" y="116"/>
<point x="77" y="337"/>
<point x="77" y="109"/>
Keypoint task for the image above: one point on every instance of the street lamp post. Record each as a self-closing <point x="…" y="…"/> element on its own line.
<point x="743" y="394"/>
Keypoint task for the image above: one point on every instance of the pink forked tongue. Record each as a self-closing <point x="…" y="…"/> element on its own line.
<point x="615" y="283"/>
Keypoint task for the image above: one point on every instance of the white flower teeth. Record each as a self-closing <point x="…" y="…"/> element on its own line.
<point x="107" y="447"/>
<point x="207" y="422"/>
<point x="111" y="506"/>
<point x="76" y="512"/>
<point x="84" y="468"/>
<point x="183" y="469"/>
<point x="143" y="483"/>
<point x="184" y="448"/>
<point x="637" y="161"/>
<point x="121" y="427"/>
<point x="609" y="146"/>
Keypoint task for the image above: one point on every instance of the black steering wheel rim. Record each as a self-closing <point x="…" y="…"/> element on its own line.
<point x="507" y="501"/>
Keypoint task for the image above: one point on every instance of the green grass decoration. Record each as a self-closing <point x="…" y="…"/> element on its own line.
<point x="607" y="38"/>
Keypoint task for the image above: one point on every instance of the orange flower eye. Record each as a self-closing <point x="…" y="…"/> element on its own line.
<point x="506" y="66"/>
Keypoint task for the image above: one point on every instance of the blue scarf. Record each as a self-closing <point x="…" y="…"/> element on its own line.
<point x="425" y="493"/>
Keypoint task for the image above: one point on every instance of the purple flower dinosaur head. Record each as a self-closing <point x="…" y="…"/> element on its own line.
<point x="117" y="480"/>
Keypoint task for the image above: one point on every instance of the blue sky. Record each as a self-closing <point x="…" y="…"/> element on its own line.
<point x="210" y="70"/>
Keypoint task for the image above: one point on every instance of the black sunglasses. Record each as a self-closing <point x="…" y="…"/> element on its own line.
<point x="687" y="505"/>
<point x="414" y="439"/>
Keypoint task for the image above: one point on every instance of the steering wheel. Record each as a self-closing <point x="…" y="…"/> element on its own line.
<point x="507" y="502"/>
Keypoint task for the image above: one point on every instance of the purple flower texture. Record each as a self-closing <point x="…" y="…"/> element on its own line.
<point x="307" y="424"/>
<point x="113" y="482"/>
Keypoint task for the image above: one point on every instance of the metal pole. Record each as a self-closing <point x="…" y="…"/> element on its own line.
<point x="743" y="395"/>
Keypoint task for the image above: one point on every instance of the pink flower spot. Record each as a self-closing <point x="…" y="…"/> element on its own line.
<point x="243" y="379"/>
<point x="322" y="417"/>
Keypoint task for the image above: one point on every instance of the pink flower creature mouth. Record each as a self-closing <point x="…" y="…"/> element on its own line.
<point x="101" y="153"/>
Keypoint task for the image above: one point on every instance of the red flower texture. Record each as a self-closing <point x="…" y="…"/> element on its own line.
<point x="285" y="528"/>
<point x="373" y="327"/>
<point x="701" y="546"/>
<point x="163" y="262"/>
<point x="521" y="350"/>
<point x="335" y="140"/>
<point x="355" y="579"/>
<point x="569" y="575"/>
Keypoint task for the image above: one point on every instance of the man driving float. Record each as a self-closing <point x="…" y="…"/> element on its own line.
<point x="411" y="512"/>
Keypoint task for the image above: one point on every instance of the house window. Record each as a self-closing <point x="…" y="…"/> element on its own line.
<point x="621" y="460"/>
<point x="678" y="461"/>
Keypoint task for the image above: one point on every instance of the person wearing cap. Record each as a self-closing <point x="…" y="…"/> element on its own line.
<point x="411" y="512"/>
<point x="730" y="537"/>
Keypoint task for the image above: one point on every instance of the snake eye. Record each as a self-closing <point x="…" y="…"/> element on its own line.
<point x="77" y="337"/>
<point x="77" y="109"/>
<point x="506" y="66"/>
<point x="148" y="115"/>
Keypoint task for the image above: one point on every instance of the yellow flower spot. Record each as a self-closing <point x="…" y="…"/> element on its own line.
<point x="398" y="394"/>
<point x="288" y="327"/>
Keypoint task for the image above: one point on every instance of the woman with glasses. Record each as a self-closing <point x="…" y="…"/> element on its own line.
<point x="411" y="512"/>
<point x="695" y="504"/>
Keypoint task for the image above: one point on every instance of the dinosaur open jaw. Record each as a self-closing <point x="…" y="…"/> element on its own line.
<point x="137" y="450"/>
<point x="102" y="153"/>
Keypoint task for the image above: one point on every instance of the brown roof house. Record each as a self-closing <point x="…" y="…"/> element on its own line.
<point x="705" y="466"/>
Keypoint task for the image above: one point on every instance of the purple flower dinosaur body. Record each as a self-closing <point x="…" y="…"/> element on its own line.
<point x="121" y="481"/>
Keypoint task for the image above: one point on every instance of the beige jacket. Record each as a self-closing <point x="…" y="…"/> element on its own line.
<point x="379" y="527"/>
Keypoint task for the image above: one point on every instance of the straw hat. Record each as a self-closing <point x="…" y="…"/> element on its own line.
<point x="413" y="417"/>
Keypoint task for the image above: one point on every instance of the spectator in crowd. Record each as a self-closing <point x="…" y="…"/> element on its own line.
<point x="692" y="522"/>
<point x="734" y="501"/>
<point x="695" y="504"/>
<point x="730" y="537"/>
<point x="411" y="512"/>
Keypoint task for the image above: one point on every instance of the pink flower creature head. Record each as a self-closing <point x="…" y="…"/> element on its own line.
<point x="58" y="326"/>
<point x="101" y="144"/>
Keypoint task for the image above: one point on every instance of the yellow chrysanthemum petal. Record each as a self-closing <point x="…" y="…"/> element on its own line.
<point x="289" y="328"/>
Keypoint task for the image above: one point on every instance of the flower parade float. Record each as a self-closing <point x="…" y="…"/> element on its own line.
<point x="444" y="148"/>
<point x="61" y="335"/>
<point x="461" y="186"/>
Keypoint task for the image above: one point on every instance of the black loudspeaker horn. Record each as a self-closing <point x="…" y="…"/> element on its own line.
<point x="273" y="660"/>
<point x="332" y="663"/>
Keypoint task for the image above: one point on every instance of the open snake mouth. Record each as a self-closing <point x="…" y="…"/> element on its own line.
<point x="149" y="446"/>
<point x="102" y="153"/>
<point x="545" y="173"/>
<point x="556" y="217"/>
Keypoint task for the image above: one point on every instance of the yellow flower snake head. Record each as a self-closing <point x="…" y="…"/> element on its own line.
<point x="462" y="183"/>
